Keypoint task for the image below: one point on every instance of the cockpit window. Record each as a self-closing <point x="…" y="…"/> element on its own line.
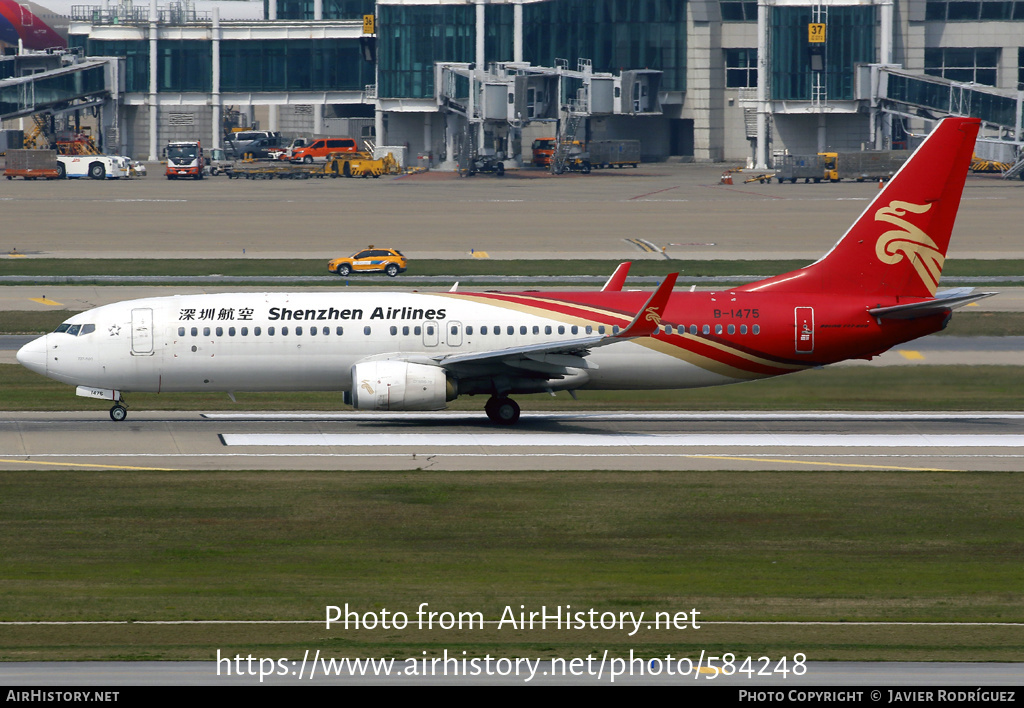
<point x="76" y="330"/>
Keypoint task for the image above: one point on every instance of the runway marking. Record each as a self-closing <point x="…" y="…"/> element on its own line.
<point x="82" y="464"/>
<point x="911" y="355"/>
<point x="45" y="301"/>
<point x="710" y="416"/>
<point x="529" y="440"/>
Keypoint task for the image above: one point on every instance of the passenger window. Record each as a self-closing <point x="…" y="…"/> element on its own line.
<point x="256" y="331"/>
<point x="298" y="330"/>
<point x="575" y="329"/>
<point x="339" y="331"/>
<point x="206" y="331"/>
<point x="706" y="329"/>
<point x="547" y="329"/>
<point x="732" y="329"/>
<point x="743" y="329"/>
<point x="718" y="329"/>
<point x="220" y="331"/>
<point x="270" y="331"/>
<point x="600" y="330"/>
<point x="326" y="331"/>
<point x="536" y="329"/>
<point x="181" y="331"/>
<point x="483" y="329"/>
<point x="509" y="329"/>
<point x="756" y="329"/>
<point x="469" y="329"/>
<point x="615" y="329"/>
<point x="195" y="332"/>
<point x="245" y="331"/>
<point x="522" y="329"/>
<point x="366" y="330"/>
<point x="394" y="330"/>
<point x="312" y="331"/>
<point x="589" y="329"/>
<point x="430" y="330"/>
<point x="405" y="330"/>
<point x="561" y="329"/>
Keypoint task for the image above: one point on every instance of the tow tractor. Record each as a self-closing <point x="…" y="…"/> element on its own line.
<point x="486" y="163"/>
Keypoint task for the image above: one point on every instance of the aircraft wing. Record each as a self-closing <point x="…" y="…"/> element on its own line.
<point x="947" y="300"/>
<point x="553" y="357"/>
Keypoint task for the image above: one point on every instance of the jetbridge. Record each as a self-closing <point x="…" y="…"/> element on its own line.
<point x="496" y="103"/>
<point x="60" y="83"/>
<point x="893" y="91"/>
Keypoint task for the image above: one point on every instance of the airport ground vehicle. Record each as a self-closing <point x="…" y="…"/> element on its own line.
<point x="217" y="162"/>
<point x="543" y="151"/>
<point x="32" y="164"/>
<point x="370" y="259"/>
<point x="862" y="164"/>
<point x="395" y="351"/>
<point x="806" y="167"/>
<point x="236" y="143"/>
<point x="614" y="153"/>
<point x="263" y="148"/>
<point x="361" y="164"/>
<point x="485" y="163"/>
<point x="93" y="166"/>
<point x="320" y="150"/>
<point x="185" y="159"/>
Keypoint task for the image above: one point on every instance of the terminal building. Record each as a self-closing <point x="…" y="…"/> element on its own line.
<point x="703" y="80"/>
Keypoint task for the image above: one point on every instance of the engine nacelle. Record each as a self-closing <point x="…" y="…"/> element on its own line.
<point x="400" y="386"/>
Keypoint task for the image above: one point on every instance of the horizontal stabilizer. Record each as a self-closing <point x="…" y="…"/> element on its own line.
<point x="949" y="300"/>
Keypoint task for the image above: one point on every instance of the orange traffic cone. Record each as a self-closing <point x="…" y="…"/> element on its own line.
<point x="727" y="178"/>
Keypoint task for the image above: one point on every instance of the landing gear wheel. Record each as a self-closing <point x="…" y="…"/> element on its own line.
<point x="118" y="413"/>
<point x="502" y="410"/>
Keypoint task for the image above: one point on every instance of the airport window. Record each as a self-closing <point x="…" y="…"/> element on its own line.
<point x="293" y="64"/>
<point x="613" y="34"/>
<point x="410" y="38"/>
<point x="973" y="10"/>
<point x="963" y="64"/>
<point x="332" y="9"/>
<point x="739" y="11"/>
<point x="184" y="65"/>
<point x="1020" y="67"/>
<point x="851" y="40"/>
<point x="181" y="331"/>
<point x="740" y="68"/>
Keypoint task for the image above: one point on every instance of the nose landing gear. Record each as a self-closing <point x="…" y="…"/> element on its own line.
<point x="119" y="411"/>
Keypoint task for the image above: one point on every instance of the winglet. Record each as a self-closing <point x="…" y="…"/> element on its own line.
<point x="648" y="319"/>
<point x="618" y="278"/>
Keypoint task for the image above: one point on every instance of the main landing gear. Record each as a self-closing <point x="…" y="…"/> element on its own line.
<point x="502" y="410"/>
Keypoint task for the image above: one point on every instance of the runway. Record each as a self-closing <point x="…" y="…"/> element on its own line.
<point x="454" y="440"/>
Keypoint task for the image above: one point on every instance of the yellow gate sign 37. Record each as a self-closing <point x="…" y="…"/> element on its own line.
<point x="816" y="32"/>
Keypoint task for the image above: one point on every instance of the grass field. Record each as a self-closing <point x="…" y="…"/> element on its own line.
<point x="847" y="547"/>
<point x="456" y="267"/>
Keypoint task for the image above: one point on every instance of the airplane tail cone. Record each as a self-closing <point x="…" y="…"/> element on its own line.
<point x="898" y="245"/>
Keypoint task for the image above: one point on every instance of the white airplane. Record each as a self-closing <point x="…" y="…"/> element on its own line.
<point x="416" y="351"/>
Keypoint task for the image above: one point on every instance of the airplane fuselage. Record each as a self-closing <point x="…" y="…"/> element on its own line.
<point x="310" y="341"/>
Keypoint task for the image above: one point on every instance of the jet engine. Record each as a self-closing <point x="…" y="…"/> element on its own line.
<point x="391" y="385"/>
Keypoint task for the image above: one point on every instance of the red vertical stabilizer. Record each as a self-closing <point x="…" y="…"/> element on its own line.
<point x="899" y="243"/>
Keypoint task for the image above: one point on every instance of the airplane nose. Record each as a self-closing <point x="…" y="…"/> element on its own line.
<point x="33" y="355"/>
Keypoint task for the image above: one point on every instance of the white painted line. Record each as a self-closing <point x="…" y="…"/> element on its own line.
<point x="710" y="416"/>
<point x="527" y="441"/>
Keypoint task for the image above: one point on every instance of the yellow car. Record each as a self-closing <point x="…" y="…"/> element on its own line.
<point x="389" y="260"/>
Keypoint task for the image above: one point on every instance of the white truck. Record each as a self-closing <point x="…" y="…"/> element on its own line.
<point x="93" y="166"/>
